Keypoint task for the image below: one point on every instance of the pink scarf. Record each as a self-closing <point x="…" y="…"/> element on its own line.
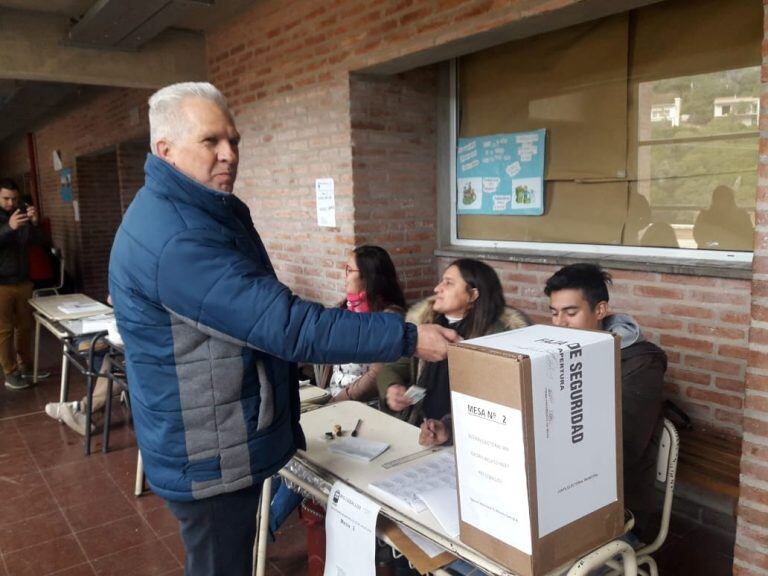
<point x="358" y="302"/>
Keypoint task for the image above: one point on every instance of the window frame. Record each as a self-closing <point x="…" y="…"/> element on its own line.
<point x="676" y="257"/>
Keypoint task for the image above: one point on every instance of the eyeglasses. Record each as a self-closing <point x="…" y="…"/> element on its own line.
<point x="348" y="270"/>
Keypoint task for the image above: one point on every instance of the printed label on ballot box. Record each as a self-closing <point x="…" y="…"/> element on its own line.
<point x="490" y="462"/>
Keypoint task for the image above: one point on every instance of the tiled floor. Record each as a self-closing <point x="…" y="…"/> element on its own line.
<point x="67" y="514"/>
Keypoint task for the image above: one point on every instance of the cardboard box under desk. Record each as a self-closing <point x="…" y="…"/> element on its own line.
<point x="537" y="430"/>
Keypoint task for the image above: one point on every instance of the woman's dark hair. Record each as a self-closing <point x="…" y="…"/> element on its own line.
<point x="379" y="277"/>
<point x="489" y="306"/>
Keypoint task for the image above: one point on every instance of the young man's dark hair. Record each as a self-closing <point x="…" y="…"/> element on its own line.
<point x="592" y="280"/>
<point x="9" y="184"/>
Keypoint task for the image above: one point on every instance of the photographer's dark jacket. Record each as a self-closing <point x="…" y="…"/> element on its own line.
<point x="211" y="337"/>
<point x="14" y="260"/>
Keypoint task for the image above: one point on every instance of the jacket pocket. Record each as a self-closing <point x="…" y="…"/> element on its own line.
<point x="203" y="470"/>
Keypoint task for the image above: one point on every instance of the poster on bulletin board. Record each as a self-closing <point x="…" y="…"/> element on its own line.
<point x="501" y="174"/>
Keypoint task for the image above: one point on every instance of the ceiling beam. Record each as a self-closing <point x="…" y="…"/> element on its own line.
<point x="31" y="49"/>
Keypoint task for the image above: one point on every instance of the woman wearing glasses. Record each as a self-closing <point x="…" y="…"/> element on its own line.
<point x="371" y="285"/>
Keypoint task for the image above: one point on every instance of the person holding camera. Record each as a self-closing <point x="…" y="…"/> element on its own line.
<point x="18" y="229"/>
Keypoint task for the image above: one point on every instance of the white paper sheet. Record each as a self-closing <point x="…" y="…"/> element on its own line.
<point x="75" y="307"/>
<point x="97" y="323"/>
<point x="357" y="448"/>
<point x="350" y="531"/>
<point x="326" y="202"/>
<point x="574" y="418"/>
<point x="405" y="484"/>
<point x="444" y="505"/>
<point x="427" y="546"/>
<point x="490" y="459"/>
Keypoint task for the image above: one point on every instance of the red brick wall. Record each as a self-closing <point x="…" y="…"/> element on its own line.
<point x="14" y="159"/>
<point x="286" y="71"/>
<point x="130" y="167"/>
<point x="701" y="323"/>
<point x="98" y="120"/>
<point x="305" y="114"/>
<point x="751" y="553"/>
<point x="98" y="194"/>
<point x="393" y="162"/>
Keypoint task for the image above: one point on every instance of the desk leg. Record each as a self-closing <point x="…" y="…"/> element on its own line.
<point x="64" y="375"/>
<point x="37" y="350"/>
<point x="260" y="560"/>
<point x="89" y="411"/>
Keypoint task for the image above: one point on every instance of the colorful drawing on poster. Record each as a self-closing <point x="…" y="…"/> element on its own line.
<point x="501" y="174"/>
<point x="65" y="184"/>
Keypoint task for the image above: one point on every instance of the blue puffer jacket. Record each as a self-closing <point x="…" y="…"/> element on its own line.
<point x="211" y="337"/>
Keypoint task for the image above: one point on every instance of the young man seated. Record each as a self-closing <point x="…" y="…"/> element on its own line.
<point x="578" y="298"/>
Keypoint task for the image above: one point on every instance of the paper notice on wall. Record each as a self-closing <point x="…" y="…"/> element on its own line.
<point x="350" y="531"/>
<point x="326" y="202"/>
<point x="490" y="462"/>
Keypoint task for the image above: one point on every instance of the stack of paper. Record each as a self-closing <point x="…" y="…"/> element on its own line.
<point x="427" y="482"/>
<point x="76" y="307"/>
<point x="358" y="448"/>
<point x="98" y="323"/>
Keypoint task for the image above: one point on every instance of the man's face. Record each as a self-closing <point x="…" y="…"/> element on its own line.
<point x="9" y="199"/>
<point x="208" y="148"/>
<point x="570" y="309"/>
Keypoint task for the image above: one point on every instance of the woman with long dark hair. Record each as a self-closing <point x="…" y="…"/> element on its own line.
<point x="469" y="299"/>
<point x="371" y="285"/>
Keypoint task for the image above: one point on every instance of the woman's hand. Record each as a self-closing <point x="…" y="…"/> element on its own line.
<point x="396" y="398"/>
<point x="433" y="432"/>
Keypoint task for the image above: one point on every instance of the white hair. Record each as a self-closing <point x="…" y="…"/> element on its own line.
<point x="166" y="117"/>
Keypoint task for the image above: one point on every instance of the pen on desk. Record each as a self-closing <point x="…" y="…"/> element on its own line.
<point x="357" y="427"/>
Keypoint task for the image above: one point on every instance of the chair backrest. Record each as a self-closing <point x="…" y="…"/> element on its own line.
<point x="666" y="471"/>
<point x="59" y="255"/>
<point x="53" y="290"/>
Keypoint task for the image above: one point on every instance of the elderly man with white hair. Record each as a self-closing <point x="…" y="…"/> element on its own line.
<point x="212" y="337"/>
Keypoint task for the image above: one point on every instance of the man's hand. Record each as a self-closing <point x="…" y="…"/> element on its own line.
<point x="32" y="214"/>
<point x="433" y="433"/>
<point x="396" y="398"/>
<point x="18" y="219"/>
<point x="433" y="341"/>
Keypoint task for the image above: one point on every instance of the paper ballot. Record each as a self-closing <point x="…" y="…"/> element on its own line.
<point x="358" y="448"/>
<point x="405" y="486"/>
<point x="350" y="529"/>
<point x="444" y="505"/>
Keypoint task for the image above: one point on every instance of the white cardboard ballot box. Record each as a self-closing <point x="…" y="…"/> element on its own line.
<point x="537" y="432"/>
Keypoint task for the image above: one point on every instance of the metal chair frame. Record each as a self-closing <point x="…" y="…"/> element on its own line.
<point x="666" y="472"/>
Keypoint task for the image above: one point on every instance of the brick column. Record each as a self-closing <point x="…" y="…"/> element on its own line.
<point x="751" y="553"/>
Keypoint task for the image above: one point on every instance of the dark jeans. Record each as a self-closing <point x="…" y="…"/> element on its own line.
<point x="219" y="532"/>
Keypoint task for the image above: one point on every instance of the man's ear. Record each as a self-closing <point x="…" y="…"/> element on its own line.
<point x="601" y="310"/>
<point x="164" y="150"/>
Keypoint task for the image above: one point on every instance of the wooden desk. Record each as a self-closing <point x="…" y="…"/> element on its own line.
<point x="47" y="312"/>
<point x="316" y="469"/>
<point x="324" y="467"/>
